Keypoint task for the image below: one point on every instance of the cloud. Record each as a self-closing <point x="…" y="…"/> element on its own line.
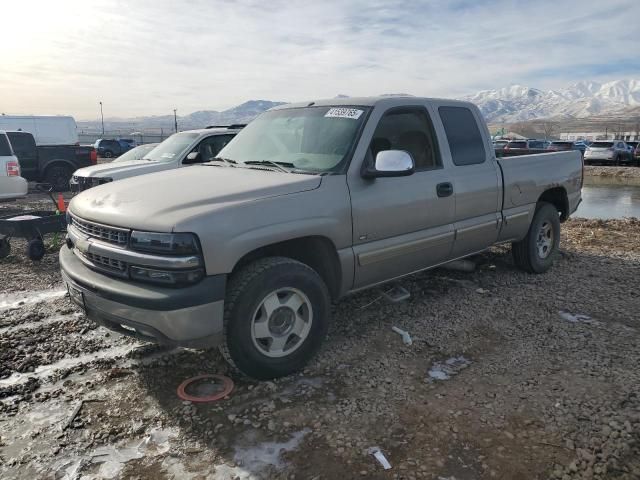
<point x="148" y="57"/>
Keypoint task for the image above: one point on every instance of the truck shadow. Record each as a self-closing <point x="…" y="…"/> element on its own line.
<point x="478" y="314"/>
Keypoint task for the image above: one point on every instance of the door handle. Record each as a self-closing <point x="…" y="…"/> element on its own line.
<point x="444" y="189"/>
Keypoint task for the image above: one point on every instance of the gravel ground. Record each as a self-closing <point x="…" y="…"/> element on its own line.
<point x="509" y="376"/>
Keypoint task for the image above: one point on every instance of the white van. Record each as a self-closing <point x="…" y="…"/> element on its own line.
<point x="47" y="130"/>
<point x="12" y="185"/>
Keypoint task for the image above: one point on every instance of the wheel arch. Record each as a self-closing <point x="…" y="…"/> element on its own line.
<point x="557" y="196"/>
<point x="317" y="252"/>
<point x="56" y="162"/>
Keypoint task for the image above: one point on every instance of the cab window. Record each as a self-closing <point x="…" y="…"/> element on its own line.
<point x="409" y="129"/>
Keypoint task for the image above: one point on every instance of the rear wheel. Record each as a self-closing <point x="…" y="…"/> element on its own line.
<point x="536" y="252"/>
<point x="58" y="176"/>
<point x="108" y="154"/>
<point x="276" y="317"/>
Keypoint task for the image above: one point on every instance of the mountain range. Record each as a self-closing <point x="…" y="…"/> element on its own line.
<point x="505" y="105"/>
<point x="579" y="100"/>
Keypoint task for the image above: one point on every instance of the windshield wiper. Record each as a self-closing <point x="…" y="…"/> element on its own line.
<point x="282" y="166"/>
<point x="228" y="161"/>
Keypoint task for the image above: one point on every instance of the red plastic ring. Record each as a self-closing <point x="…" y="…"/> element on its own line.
<point x="226" y="390"/>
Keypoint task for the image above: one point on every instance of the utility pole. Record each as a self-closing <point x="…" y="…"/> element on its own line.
<point x="102" y="118"/>
<point x="175" y="120"/>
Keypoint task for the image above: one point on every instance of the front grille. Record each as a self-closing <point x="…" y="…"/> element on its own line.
<point x="113" y="235"/>
<point x="107" y="263"/>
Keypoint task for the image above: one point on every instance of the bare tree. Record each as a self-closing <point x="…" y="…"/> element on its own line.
<point x="549" y="128"/>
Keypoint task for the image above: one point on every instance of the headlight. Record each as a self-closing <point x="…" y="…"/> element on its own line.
<point x="165" y="243"/>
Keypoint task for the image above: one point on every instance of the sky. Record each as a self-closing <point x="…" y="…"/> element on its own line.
<point x="144" y="57"/>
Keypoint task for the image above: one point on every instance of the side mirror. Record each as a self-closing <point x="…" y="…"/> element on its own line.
<point x="193" y="157"/>
<point x="391" y="163"/>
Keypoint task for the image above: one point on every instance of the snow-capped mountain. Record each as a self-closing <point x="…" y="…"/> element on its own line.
<point x="582" y="99"/>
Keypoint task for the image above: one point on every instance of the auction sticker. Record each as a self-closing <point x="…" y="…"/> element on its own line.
<point x="352" y="113"/>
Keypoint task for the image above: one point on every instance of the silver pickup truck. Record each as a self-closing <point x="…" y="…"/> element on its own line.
<point x="307" y="204"/>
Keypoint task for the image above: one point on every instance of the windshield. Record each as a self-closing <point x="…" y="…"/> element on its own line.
<point x="602" y="144"/>
<point x="136" y="153"/>
<point x="314" y="139"/>
<point x="172" y="147"/>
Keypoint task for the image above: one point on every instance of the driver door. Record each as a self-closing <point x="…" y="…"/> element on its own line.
<point x="402" y="224"/>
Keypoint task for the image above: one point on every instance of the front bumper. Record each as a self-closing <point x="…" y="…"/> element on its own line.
<point x="187" y="317"/>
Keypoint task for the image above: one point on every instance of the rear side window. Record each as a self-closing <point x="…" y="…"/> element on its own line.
<point x="463" y="136"/>
<point x="5" y="147"/>
<point x="21" y="142"/>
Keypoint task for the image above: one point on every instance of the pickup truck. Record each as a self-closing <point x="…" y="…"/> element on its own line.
<point x="177" y="151"/>
<point x="307" y="204"/>
<point x="53" y="164"/>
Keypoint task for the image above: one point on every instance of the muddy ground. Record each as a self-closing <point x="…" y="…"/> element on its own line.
<point x="509" y="376"/>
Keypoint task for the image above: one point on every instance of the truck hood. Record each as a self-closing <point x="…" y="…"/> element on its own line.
<point x="160" y="201"/>
<point x="120" y="170"/>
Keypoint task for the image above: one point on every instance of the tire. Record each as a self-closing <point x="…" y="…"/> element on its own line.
<point x="536" y="253"/>
<point x="617" y="161"/>
<point x="261" y="341"/>
<point x="35" y="249"/>
<point x="58" y="177"/>
<point x="5" y="248"/>
<point x="108" y="154"/>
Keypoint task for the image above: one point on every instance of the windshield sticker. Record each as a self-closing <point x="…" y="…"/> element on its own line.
<point x="352" y="113"/>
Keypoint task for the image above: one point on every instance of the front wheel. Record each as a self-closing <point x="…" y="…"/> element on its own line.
<point x="58" y="176"/>
<point x="276" y="317"/>
<point x="536" y="252"/>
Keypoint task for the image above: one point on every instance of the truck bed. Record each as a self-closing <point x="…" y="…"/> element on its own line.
<point x="526" y="177"/>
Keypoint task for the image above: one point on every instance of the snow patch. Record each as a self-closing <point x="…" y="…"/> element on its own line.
<point x="10" y="301"/>
<point x="577" y="318"/>
<point x="255" y="458"/>
<point x="445" y="370"/>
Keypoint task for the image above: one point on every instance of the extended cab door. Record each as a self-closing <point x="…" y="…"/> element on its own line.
<point x="476" y="179"/>
<point x="402" y="224"/>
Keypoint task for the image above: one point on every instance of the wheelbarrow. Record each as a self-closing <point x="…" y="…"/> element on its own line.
<point x="32" y="225"/>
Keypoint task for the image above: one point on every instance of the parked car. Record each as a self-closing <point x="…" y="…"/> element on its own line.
<point x="309" y="203"/>
<point x="12" y="185"/>
<point x="636" y="154"/>
<point x="110" y="148"/>
<point x="499" y="144"/>
<point x="559" y="145"/>
<point x="51" y="164"/>
<point x="46" y="130"/>
<point x="81" y="179"/>
<point x="633" y="148"/>
<point x="607" y="151"/>
<point x="523" y="147"/>
<point x="179" y="150"/>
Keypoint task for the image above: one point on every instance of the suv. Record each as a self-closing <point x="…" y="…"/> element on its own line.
<point x="523" y="147"/>
<point x="607" y="151"/>
<point x="560" y="145"/>
<point x="12" y="185"/>
<point x="179" y="150"/>
<point x="112" y="148"/>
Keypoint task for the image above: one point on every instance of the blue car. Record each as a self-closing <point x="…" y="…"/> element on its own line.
<point x="109" y="148"/>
